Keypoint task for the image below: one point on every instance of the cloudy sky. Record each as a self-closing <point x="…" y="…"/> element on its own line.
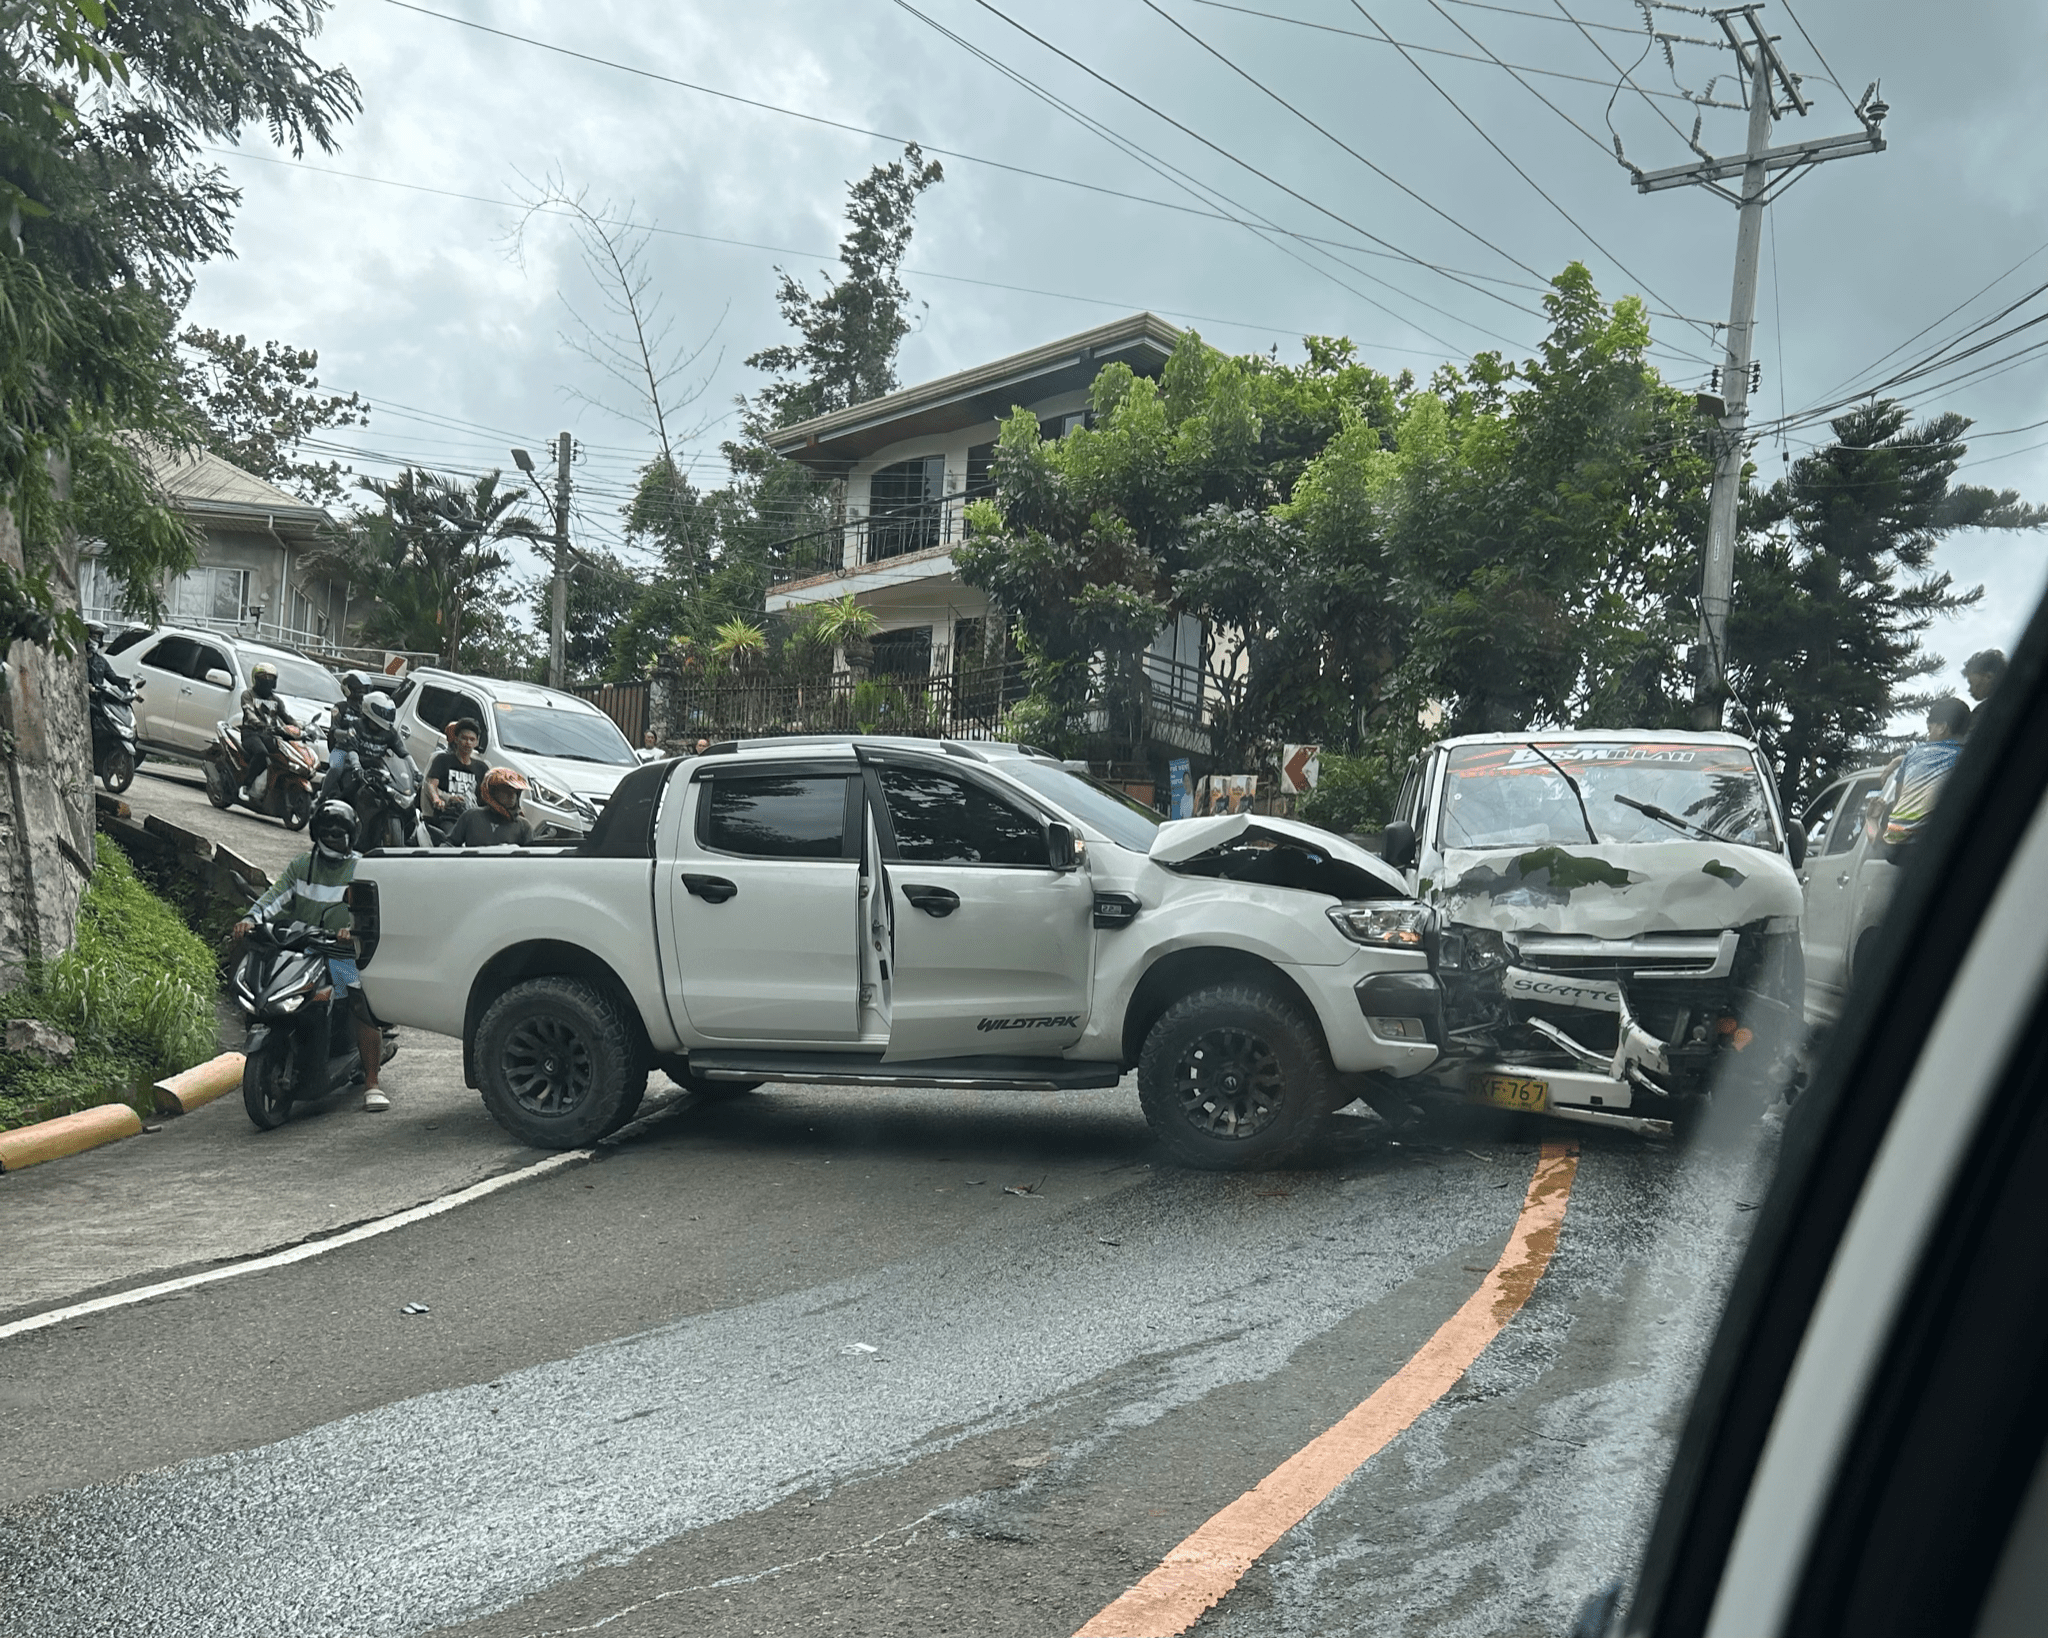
<point x="1419" y="219"/>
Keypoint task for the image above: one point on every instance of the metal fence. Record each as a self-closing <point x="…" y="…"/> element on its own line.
<point x="624" y="703"/>
<point x="880" y="536"/>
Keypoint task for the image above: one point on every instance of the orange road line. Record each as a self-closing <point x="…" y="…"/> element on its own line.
<point x="1202" y="1569"/>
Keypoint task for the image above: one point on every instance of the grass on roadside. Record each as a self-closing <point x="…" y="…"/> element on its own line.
<point x="136" y="993"/>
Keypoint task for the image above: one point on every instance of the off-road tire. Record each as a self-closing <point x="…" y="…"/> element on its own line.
<point x="117" y="771"/>
<point x="220" y="786"/>
<point x="1274" y="1079"/>
<point x="262" y="1078"/>
<point x="558" y="1059"/>
<point x="298" y="805"/>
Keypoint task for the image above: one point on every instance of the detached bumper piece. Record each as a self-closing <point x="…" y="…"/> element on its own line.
<point x="1588" y="1096"/>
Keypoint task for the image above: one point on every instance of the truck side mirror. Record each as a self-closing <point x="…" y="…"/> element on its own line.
<point x="1397" y="846"/>
<point x="1062" y="847"/>
<point x="1795" y="842"/>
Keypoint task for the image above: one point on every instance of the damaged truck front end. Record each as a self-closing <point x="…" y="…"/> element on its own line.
<point x="1621" y="975"/>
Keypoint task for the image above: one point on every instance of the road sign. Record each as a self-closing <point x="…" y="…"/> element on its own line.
<point x="1299" y="768"/>
<point x="1180" y="799"/>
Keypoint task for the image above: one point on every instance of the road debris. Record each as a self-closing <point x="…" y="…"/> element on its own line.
<point x="1104" y="1240"/>
<point x="860" y="1348"/>
<point x="415" y="1308"/>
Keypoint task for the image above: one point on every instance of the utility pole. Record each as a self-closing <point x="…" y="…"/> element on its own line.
<point x="1765" y="172"/>
<point x="558" y="621"/>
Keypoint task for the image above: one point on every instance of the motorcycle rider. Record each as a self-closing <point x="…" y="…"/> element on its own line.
<point x="496" y="820"/>
<point x="98" y="668"/>
<point x="314" y="889"/>
<point x="341" y="732"/>
<point x="453" y="775"/>
<point x="263" y="714"/>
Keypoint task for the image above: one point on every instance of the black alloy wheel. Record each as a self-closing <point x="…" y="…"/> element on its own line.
<point x="268" y="1080"/>
<point x="1229" y="1084"/>
<point x="117" y="769"/>
<point x="298" y="805"/>
<point x="547" y="1066"/>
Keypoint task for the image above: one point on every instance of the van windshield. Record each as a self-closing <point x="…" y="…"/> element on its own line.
<point x="551" y="730"/>
<point x="1510" y="796"/>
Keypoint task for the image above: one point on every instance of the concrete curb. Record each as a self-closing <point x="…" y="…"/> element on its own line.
<point x="110" y="1122"/>
<point x="183" y="1093"/>
<point x="67" y="1135"/>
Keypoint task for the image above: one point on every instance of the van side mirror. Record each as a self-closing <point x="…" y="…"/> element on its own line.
<point x="1795" y="842"/>
<point x="1062" y="846"/>
<point x="219" y="678"/>
<point x="1397" y="846"/>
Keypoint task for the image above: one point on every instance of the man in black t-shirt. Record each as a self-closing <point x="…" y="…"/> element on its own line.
<point x="453" y="775"/>
<point x="496" y="819"/>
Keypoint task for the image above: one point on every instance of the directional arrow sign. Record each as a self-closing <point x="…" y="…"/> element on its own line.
<point x="1299" y="768"/>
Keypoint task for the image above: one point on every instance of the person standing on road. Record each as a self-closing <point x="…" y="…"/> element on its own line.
<point x="263" y="714"/>
<point x="495" y="821"/>
<point x="1983" y="672"/>
<point x="314" y="889"/>
<point x="453" y="775"/>
<point x="1917" y="777"/>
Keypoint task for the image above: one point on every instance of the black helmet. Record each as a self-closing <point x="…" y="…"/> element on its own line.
<point x="354" y="684"/>
<point x="381" y="712"/>
<point x="334" y="829"/>
<point x="96" y="633"/>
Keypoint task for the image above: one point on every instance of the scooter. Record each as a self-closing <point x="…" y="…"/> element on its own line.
<point x="302" y="1037"/>
<point x="440" y="827"/>
<point x="116" y="752"/>
<point x="382" y="783"/>
<point x="288" y="783"/>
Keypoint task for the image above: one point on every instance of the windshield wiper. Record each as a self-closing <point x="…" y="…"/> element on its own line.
<point x="1578" y="795"/>
<point x="1663" y="817"/>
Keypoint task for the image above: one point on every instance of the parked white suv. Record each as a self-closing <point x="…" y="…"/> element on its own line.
<point x="910" y="913"/>
<point x="192" y="681"/>
<point x="571" y="753"/>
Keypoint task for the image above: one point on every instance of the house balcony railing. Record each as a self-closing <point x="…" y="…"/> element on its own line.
<point x="876" y="538"/>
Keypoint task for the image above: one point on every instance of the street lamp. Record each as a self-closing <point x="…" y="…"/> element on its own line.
<point x="524" y="462"/>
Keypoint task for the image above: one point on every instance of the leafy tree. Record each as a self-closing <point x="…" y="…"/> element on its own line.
<point x="428" y="567"/>
<point x="107" y="207"/>
<point x="848" y="336"/>
<point x="256" y="406"/>
<point x="602" y="594"/>
<point x="1835" y="585"/>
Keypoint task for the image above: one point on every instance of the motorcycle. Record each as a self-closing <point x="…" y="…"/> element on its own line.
<point x="116" y="752"/>
<point x="301" y="1045"/>
<point x="382" y="783"/>
<point x="288" y="783"/>
<point x="440" y="827"/>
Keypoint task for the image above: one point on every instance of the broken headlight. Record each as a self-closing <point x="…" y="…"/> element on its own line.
<point x="1471" y="949"/>
<point x="1390" y="926"/>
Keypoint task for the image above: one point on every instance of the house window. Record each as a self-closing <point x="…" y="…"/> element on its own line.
<point x="906" y="652"/>
<point x="99" y="593"/>
<point x="1060" y="426"/>
<point x="981" y="469"/>
<point x="214" y="596"/>
<point x="903" y="507"/>
<point x="305" y="620"/>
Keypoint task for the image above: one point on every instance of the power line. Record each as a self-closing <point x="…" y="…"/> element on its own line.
<point x="1627" y="78"/>
<point x="1818" y="54"/>
<point x="1516" y="168"/>
<point x="1185" y="180"/>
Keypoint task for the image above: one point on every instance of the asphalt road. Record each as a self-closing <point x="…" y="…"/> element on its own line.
<point x="177" y="792"/>
<point x="800" y="1362"/>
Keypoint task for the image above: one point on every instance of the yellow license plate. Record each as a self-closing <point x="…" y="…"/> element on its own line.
<point x="1513" y="1092"/>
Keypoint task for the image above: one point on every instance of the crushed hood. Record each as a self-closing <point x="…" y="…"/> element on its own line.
<point x="1299" y="855"/>
<point x="1615" y="890"/>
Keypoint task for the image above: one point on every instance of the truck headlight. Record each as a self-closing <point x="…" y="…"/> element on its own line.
<point x="543" y="792"/>
<point x="1390" y="926"/>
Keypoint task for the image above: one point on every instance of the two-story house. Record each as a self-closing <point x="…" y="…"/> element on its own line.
<point x="909" y="462"/>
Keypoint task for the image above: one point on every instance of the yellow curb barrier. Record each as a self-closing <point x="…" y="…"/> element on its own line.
<point x="67" y="1135"/>
<point x="182" y="1093"/>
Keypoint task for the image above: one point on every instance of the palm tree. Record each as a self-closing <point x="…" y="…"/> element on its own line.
<point x="430" y="555"/>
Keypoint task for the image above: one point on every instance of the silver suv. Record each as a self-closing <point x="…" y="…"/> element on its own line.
<point x="192" y="681"/>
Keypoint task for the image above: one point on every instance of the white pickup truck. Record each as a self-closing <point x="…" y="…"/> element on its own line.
<point x="911" y="913"/>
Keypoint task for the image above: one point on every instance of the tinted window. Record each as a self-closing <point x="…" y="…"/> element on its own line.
<point x="943" y="819"/>
<point x="1848" y="823"/>
<point x="440" y="706"/>
<point x="778" y="816"/>
<point x="210" y="659"/>
<point x="173" y="654"/>
<point x="127" y="640"/>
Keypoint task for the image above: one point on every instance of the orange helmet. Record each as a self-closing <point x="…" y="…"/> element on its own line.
<point x="503" y="789"/>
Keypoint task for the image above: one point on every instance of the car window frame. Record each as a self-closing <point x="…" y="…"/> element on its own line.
<point x="439" y="729"/>
<point x="200" y="668"/>
<point x="1867" y="784"/>
<point x="885" y="827"/>
<point x="852" y="829"/>
<point x="184" y="670"/>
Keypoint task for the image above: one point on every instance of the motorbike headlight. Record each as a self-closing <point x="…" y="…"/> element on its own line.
<point x="291" y="1003"/>
<point x="1389" y="926"/>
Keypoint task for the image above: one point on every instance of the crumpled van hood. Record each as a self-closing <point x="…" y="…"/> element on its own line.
<point x="1182" y="841"/>
<point x="1616" y="890"/>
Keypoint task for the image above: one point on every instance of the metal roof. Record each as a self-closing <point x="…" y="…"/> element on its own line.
<point x="833" y="442"/>
<point x="203" y="486"/>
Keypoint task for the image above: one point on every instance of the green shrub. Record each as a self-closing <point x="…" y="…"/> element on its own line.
<point x="1353" y="793"/>
<point x="136" y="993"/>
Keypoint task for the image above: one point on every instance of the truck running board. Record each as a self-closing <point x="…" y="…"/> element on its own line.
<point x="868" y="1069"/>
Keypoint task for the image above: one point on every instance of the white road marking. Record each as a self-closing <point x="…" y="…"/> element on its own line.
<point x="299" y="1253"/>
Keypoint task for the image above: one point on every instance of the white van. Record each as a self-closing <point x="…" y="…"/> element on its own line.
<point x="571" y="753"/>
